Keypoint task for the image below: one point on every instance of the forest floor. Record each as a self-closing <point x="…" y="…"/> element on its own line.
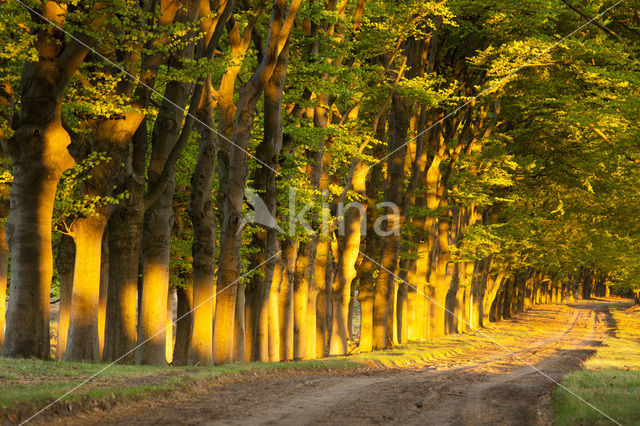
<point x="504" y="374"/>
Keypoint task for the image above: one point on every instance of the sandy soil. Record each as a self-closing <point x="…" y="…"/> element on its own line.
<point x="492" y="387"/>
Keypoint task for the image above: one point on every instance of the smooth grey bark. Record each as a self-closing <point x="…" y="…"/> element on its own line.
<point x="125" y="245"/>
<point x="204" y="236"/>
<point x="39" y="156"/>
<point x="184" y="325"/>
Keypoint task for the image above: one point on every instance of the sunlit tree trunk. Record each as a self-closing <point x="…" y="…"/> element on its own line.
<point x="204" y="237"/>
<point x="184" y="325"/>
<point x="302" y="278"/>
<point x="491" y="290"/>
<point x="169" y="325"/>
<point x="461" y="298"/>
<point x="87" y="323"/>
<point x="157" y="230"/>
<point x="528" y="292"/>
<point x="469" y="296"/>
<point x="413" y="299"/>
<point x="82" y="344"/>
<point x="285" y="299"/>
<point x="346" y="271"/>
<point x="249" y="323"/>
<point x="425" y="268"/>
<point x="311" y="321"/>
<point x="402" y="308"/>
<point x="7" y="103"/>
<point x="159" y="214"/>
<point x="323" y="261"/>
<point x="268" y="153"/>
<point x="39" y="156"/>
<point x="323" y="299"/>
<point x="442" y="279"/>
<point x="239" y="329"/>
<point x="4" y="269"/>
<point x="102" y="296"/>
<point x="352" y="306"/>
<point x="126" y="223"/>
<point x="274" y="314"/>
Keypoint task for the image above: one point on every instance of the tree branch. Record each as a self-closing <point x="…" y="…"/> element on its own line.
<point x="597" y="24"/>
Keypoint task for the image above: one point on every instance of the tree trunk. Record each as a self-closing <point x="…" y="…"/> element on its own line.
<point x="414" y="305"/>
<point x="7" y="102"/>
<point x="352" y="307"/>
<point x="157" y="231"/>
<point x="274" y="314"/>
<point x="102" y="294"/>
<point x="125" y="241"/>
<point x="267" y="304"/>
<point x="113" y="137"/>
<point x="168" y="341"/>
<point x="29" y="237"/>
<point x="441" y="279"/>
<point x="268" y="153"/>
<point x="469" y="296"/>
<point x="83" y="344"/>
<point x="64" y="264"/>
<point x="4" y="269"/>
<point x="323" y="300"/>
<point x="385" y="294"/>
<point x="159" y="216"/>
<point x="239" y="324"/>
<point x="346" y="272"/>
<point x="371" y="253"/>
<point x="40" y="159"/>
<point x="491" y="290"/>
<point x="204" y="237"/>
<point x="39" y="156"/>
<point x="285" y="299"/>
<point x="461" y="298"/>
<point x="303" y="271"/>
<point x="311" y="321"/>
<point x="183" y="326"/>
<point x="402" y="309"/>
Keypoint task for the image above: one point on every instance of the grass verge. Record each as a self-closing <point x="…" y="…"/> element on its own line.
<point x="610" y="380"/>
<point x="28" y="385"/>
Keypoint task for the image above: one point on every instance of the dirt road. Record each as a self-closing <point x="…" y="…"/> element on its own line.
<point x="491" y="387"/>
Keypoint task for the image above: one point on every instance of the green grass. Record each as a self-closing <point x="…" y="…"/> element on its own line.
<point x="610" y="379"/>
<point x="30" y="384"/>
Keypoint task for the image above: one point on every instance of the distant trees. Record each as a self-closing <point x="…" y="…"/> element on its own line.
<point x="396" y="161"/>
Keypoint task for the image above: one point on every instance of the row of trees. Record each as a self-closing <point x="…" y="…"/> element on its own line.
<point x="489" y="163"/>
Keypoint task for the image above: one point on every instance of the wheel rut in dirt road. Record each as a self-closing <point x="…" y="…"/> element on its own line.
<point x="492" y="387"/>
